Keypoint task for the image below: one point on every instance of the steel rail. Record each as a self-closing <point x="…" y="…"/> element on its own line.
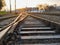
<point x="10" y="27"/>
<point x="45" y="13"/>
<point x="38" y="17"/>
<point x="11" y="23"/>
<point x="1" y="19"/>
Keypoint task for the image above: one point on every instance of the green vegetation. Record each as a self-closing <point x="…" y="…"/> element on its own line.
<point x="3" y="12"/>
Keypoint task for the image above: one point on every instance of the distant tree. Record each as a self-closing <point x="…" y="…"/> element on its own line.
<point x="2" y="3"/>
<point x="51" y="7"/>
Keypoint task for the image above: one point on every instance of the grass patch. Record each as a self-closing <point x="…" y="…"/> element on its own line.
<point x="3" y="12"/>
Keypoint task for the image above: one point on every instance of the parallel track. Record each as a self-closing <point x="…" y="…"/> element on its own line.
<point x="6" y="21"/>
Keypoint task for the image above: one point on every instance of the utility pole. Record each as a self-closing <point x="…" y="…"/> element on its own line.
<point x="10" y="5"/>
<point x="15" y="6"/>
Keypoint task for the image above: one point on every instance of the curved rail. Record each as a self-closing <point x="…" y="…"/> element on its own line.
<point x="10" y="28"/>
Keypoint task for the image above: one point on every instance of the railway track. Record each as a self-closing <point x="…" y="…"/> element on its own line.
<point x="5" y="22"/>
<point x="7" y="17"/>
<point x="33" y="31"/>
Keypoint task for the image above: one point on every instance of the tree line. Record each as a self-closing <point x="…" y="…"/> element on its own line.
<point x="2" y="4"/>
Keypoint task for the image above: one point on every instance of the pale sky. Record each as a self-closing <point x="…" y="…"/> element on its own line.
<point x="30" y="3"/>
